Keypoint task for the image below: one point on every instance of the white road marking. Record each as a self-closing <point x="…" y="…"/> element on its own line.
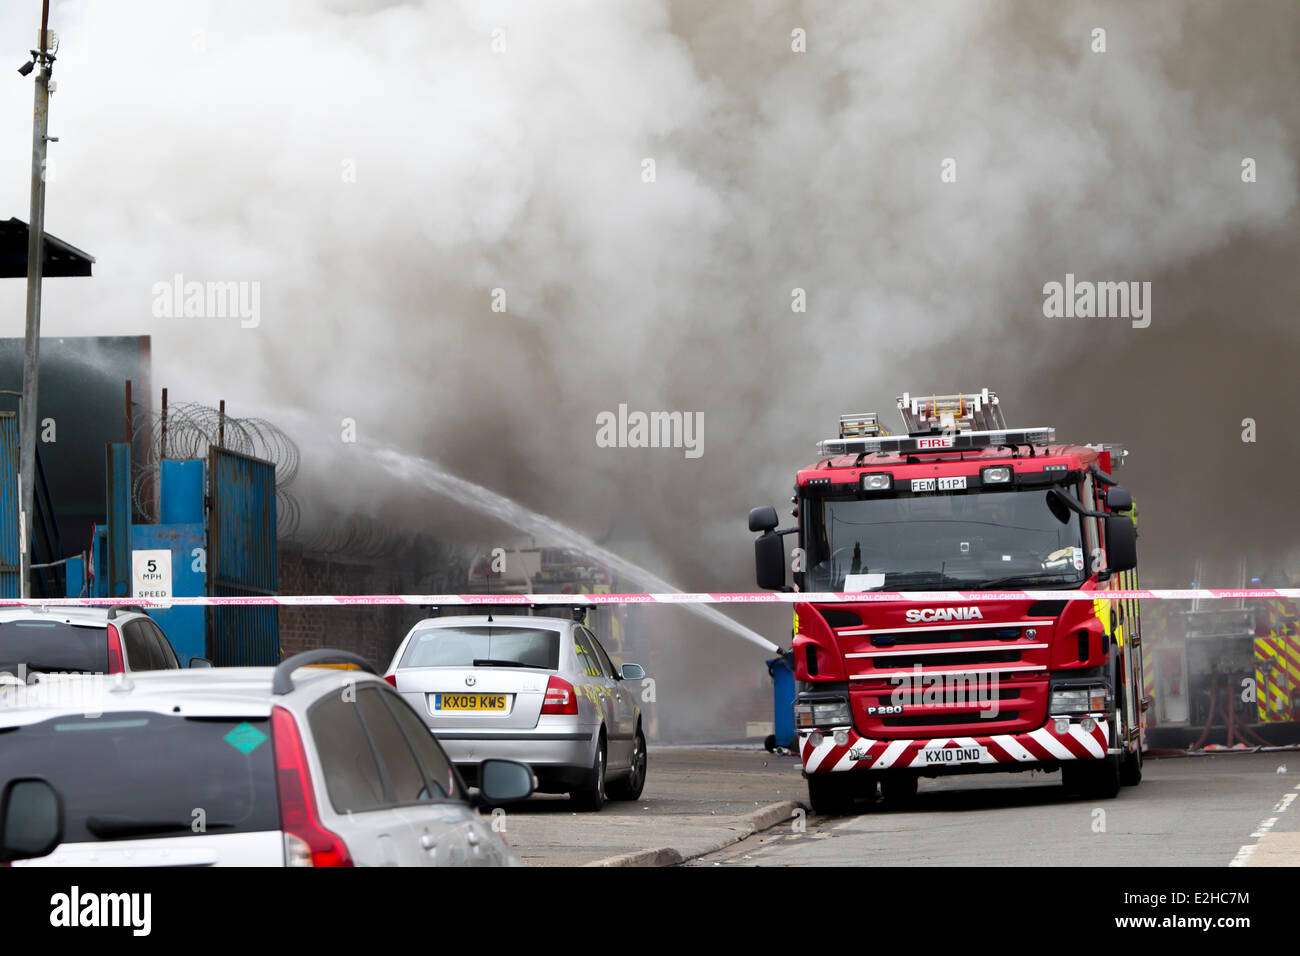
<point x="1246" y="852"/>
<point x="1265" y="827"/>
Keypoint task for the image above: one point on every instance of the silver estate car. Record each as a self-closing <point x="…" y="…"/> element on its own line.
<point x="92" y="640"/>
<point x="245" y="766"/>
<point x="536" y="689"/>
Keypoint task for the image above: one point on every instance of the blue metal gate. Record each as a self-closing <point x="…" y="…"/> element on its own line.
<point x="241" y="558"/>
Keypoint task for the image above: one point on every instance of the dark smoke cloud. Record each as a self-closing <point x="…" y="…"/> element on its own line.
<point x="210" y="140"/>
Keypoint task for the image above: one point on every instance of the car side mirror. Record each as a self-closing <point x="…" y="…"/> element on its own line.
<point x="505" y="781"/>
<point x="200" y="662"/>
<point x="31" y="819"/>
<point x="632" y="671"/>
<point x="763" y="519"/>
<point x="1121" y="543"/>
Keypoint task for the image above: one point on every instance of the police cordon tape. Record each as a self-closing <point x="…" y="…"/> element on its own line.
<point x="672" y="597"/>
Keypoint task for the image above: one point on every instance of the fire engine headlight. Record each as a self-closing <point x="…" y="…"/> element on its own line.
<point x="1079" y="700"/>
<point x="877" y="482"/>
<point x="997" y="475"/>
<point x="830" y="713"/>
<point x="803" y="715"/>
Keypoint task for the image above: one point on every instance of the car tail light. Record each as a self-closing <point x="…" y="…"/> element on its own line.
<point x="392" y="680"/>
<point x="306" y="841"/>
<point x="114" y="651"/>
<point x="560" y="697"/>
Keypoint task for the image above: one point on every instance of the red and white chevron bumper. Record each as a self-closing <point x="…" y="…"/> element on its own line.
<point x="1036" y="746"/>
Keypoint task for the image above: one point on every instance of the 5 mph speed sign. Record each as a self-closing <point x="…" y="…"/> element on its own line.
<point x="151" y="574"/>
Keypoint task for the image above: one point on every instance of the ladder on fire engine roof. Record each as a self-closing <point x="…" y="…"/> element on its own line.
<point x="938" y="423"/>
<point x="947" y="423"/>
<point x="864" y="425"/>
<point x="981" y="412"/>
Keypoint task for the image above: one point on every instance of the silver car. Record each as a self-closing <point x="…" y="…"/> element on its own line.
<point x="247" y="766"/>
<point x="536" y="689"/>
<point x="84" y="639"/>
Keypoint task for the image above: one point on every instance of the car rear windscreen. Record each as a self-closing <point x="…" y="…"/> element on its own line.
<point x="501" y="644"/>
<point x="54" y="646"/>
<point x="132" y="776"/>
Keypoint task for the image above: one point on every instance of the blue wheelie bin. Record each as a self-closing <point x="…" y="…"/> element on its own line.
<point x="782" y="703"/>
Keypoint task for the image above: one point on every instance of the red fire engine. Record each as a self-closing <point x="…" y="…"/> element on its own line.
<point x="973" y="678"/>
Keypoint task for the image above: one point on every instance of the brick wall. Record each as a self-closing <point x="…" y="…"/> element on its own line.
<point x="372" y="632"/>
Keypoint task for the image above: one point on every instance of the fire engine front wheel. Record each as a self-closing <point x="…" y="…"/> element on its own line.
<point x="1130" y="770"/>
<point x="832" y="794"/>
<point x="898" y="789"/>
<point x="1094" y="779"/>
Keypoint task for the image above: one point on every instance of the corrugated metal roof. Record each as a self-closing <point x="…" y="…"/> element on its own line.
<point x="61" y="259"/>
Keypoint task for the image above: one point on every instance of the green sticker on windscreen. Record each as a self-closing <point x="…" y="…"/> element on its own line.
<point x="245" y="738"/>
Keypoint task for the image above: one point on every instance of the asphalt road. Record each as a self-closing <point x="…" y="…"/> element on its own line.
<point x="1214" y="811"/>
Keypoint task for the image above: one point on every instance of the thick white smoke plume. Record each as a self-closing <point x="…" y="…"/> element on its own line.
<point x="381" y="168"/>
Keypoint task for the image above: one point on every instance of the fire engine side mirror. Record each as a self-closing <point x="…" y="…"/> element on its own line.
<point x="769" y="560"/>
<point x="763" y="519"/>
<point x="1118" y="499"/>
<point x="1121" y="543"/>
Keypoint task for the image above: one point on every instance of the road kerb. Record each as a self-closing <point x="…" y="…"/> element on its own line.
<point x="739" y="829"/>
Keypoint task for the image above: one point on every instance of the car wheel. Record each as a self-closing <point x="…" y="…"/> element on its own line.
<point x="630" y="787"/>
<point x="593" y="796"/>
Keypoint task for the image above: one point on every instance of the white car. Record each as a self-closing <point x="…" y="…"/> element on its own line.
<point x="249" y="766"/>
<point x="537" y="689"/>
<point x="94" y="640"/>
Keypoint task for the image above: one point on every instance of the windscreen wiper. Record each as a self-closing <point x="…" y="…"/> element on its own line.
<point x="1012" y="579"/>
<point x="919" y="577"/>
<point x="108" y="828"/>
<point x="492" y="662"/>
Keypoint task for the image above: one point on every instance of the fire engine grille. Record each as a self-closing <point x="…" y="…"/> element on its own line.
<point x="947" y="709"/>
<point x="969" y="659"/>
<point x="945" y="636"/>
<point x="955" y="719"/>
<point x="917" y="698"/>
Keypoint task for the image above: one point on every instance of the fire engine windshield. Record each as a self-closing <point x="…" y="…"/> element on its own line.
<point x="974" y="539"/>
